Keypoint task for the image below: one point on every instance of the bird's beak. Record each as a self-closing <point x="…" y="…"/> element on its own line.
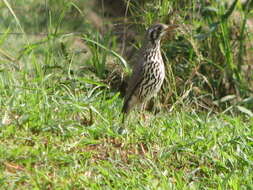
<point x="171" y="27"/>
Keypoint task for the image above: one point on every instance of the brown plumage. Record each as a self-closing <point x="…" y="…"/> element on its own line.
<point x="148" y="71"/>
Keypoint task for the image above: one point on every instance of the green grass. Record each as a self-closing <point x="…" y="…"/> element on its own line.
<point x="176" y="150"/>
<point x="59" y="116"/>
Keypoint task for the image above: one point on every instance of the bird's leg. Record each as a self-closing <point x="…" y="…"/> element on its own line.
<point x="157" y="108"/>
<point x="143" y="106"/>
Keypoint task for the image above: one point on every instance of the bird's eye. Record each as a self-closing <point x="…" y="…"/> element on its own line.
<point x="153" y="34"/>
<point x="159" y="29"/>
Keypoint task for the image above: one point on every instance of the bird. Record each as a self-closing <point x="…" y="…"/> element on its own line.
<point x="148" y="71"/>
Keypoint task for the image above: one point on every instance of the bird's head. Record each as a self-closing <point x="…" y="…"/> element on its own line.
<point x="157" y="31"/>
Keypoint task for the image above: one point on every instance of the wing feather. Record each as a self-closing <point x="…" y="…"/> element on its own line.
<point x="134" y="81"/>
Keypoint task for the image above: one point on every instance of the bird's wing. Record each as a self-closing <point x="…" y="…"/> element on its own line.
<point x="136" y="77"/>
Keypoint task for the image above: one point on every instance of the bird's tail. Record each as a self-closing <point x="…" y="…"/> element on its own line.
<point x="129" y="103"/>
<point x="123" y="118"/>
<point x="125" y="108"/>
